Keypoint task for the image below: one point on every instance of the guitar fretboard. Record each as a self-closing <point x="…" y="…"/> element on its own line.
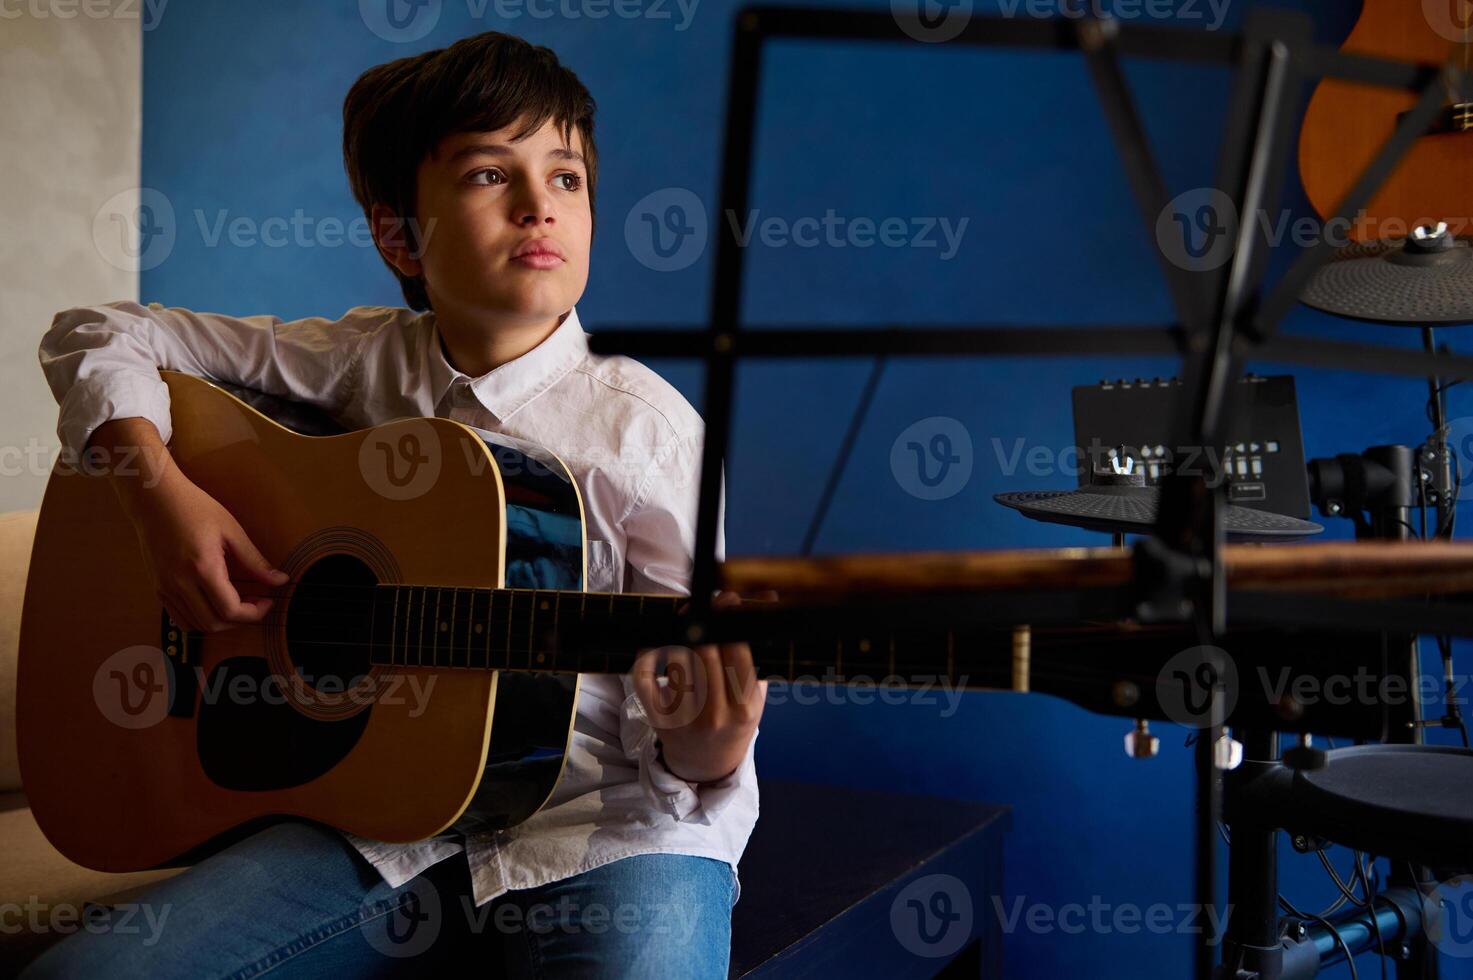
<point x="559" y="630"/>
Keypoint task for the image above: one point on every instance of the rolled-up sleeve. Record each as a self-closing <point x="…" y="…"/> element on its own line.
<point x="680" y="798"/>
<point x="660" y="540"/>
<point x="102" y="362"/>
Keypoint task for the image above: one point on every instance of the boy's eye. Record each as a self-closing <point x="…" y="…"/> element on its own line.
<point x="573" y="181"/>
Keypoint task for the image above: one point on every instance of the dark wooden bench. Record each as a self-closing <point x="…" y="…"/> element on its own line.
<point x="843" y="882"/>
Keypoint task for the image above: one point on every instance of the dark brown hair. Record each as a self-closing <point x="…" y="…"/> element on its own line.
<point x="397" y="113"/>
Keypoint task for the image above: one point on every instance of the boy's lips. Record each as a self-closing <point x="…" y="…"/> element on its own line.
<point x="538" y="253"/>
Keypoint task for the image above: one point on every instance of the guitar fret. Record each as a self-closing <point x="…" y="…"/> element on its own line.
<point x="394" y="629"/>
<point x="454" y="599"/>
<point x="532" y="627"/>
<point x="372" y="621"/>
<point x="511" y="606"/>
<point x="408" y="611"/>
<point x="467" y="629"/>
<point x="419" y="642"/>
<point x="483" y="626"/>
<point x="439" y="628"/>
<point x="557" y="608"/>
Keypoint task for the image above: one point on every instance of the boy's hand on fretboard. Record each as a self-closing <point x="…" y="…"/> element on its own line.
<point x="707" y="708"/>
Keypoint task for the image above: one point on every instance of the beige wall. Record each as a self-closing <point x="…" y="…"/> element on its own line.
<point x="70" y="111"/>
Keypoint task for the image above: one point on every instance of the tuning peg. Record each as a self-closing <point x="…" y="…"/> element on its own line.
<point x="1140" y="743"/>
<point x="1227" y="752"/>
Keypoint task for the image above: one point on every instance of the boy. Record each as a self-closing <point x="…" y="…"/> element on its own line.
<point x="476" y="167"/>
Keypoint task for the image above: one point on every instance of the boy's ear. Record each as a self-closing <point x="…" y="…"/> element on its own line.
<point x="396" y="240"/>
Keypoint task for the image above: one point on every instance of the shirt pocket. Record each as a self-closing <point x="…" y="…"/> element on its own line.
<point x="603" y="571"/>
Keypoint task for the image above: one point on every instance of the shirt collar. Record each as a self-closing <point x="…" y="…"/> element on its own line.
<point x="505" y="389"/>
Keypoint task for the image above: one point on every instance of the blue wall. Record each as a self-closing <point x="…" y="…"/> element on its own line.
<point x="242" y="116"/>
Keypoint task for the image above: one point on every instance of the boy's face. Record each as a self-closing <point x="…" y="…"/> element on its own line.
<point x="482" y="198"/>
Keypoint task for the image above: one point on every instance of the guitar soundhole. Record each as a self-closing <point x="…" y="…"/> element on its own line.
<point x="329" y="623"/>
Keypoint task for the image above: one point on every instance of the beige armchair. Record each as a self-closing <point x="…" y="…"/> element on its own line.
<point x="41" y="892"/>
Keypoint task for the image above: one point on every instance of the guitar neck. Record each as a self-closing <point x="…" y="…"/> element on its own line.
<point x="586" y="632"/>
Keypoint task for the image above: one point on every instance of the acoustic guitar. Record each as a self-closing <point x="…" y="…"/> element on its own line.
<point x="1347" y="123"/>
<point x="422" y="643"/>
<point x="417" y="674"/>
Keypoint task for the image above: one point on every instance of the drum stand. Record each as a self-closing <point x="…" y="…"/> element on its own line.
<point x="1265" y="792"/>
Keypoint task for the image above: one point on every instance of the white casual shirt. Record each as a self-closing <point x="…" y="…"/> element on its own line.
<point x="632" y="442"/>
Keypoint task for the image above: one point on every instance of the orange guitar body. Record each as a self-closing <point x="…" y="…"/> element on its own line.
<point x="1347" y="123"/>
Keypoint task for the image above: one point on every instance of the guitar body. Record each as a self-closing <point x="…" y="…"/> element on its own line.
<point x="141" y="747"/>
<point x="1347" y="123"/>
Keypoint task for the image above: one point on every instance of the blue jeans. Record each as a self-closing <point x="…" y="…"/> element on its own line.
<point x="297" y="900"/>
